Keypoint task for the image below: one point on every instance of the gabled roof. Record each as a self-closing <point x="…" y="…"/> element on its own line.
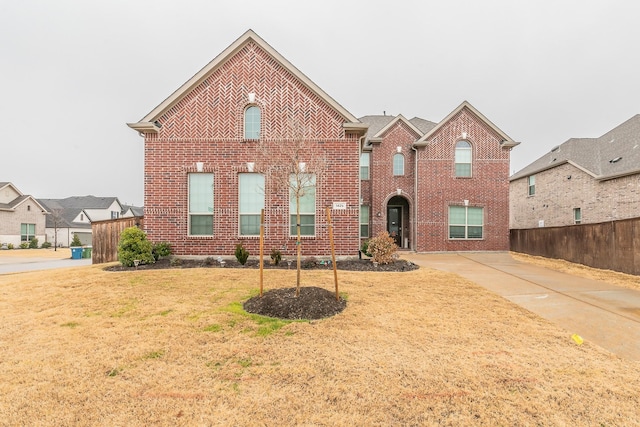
<point x="614" y="154"/>
<point x="379" y="124"/>
<point x="82" y="202"/>
<point x="147" y="123"/>
<point x="12" y="205"/>
<point x="507" y="142"/>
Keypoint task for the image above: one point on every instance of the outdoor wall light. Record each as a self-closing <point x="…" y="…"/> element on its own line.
<point x="252" y="97"/>
<point x="378" y="214"/>
<point x="199" y="166"/>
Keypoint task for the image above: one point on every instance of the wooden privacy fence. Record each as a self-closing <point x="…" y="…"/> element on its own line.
<point x="611" y="245"/>
<point x="106" y="235"/>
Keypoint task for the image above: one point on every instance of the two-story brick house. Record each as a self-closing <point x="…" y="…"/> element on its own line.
<point x="436" y="187"/>
<point x="581" y="181"/>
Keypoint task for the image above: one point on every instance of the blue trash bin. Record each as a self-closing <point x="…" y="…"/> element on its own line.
<point x="76" y="252"/>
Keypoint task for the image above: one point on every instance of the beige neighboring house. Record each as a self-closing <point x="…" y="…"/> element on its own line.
<point x="22" y="217"/>
<point x="74" y="215"/>
<point x="584" y="180"/>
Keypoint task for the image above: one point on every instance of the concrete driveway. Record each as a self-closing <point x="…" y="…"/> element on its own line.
<point x="607" y="315"/>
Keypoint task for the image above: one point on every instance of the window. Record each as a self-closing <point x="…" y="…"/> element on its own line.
<point x="200" y="204"/>
<point x="465" y="222"/>
<point x="307" y="205"/>
<point x="252" y="123"/>
<point x="531" y="185"/>
<point x="577" y="215"/>
<point x="463" y="159"/>
<point x="365" y="159"/>
<point x="27" y="232"/>
<point x="364" y="221"/>
<point x="398" y="164"/>
<point x="115" y="214"/>
<point x="251" y="201"/>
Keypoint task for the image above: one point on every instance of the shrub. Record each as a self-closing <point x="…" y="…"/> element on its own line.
<point x="309" y="262"/>
<point x="46" y="245"/>
<point x="24" y="245"/>
<point x="241" y="253"/>
<point x="161" y="249"/>
<point x="382" y="248"/>
<point x="276" y="256"/>
<point x="33" y="243"/>
<point x="365" y="248"/>
<point x="10" y="246"/>
<point x="134" y="245"/>
<point x="76" y="241"/>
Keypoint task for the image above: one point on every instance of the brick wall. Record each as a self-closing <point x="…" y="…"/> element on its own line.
<point x="557" y="195"/>
<point x="439" y="188"/>
<point x="207" y="126"/>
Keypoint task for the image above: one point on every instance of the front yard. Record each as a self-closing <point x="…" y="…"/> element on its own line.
<point x="84" y="346"/>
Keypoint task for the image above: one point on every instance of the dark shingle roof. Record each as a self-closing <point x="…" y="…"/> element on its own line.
<point x="616" y="153"/>
<point x="377" y="123"/>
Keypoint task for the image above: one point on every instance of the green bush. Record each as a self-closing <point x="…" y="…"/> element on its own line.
<point x="24" y="245"/>
<point x="241" y="253"/>
<point x="46" y="245"/>
<point x="161" y="249"/>
<point x="10" y="246"/>
<point x="382" y="248"/>
<point x="276" y="256"/>
<point x="365" y="248"/>
<point x="76" y="241"/>
<point x="134" y="245"/>
<point x="33" y="243"/>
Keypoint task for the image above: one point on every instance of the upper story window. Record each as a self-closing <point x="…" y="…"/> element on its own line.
<point x="398" y="164"/>
<point x="365" y="160"/>
<point x="252" y="122"/>
<point x="200" y="204"/>
<point x="463" y="159"/>
<point x="577" y="215"/>
<point x="531" y="185"/>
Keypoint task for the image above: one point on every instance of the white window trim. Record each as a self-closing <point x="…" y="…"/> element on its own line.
<point x="190" y="214"/>
<point x="398" y="156"/>
<point x="240" y="214"/>
<point x="455" y="160"/>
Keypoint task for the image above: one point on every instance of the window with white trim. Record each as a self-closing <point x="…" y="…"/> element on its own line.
<point x="466" y="222"/>
<point x="200" y="204"/>
<point x="398" y="164"/>
<point x="531" y="185"/>
<point x="463" y="157"/>
<point x="577" y="215"/>
<point x="364" y="221"/>
<point x="365" y="160"/>
<point x="307" y="184"/>
<point x="252" y="122"/>
<point x="251" y="202"/>
<point x="27" y="232"/>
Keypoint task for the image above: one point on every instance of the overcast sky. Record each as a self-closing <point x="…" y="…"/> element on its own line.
<point x="73" y="73"/>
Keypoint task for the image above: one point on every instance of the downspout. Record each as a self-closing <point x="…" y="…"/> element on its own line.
<point x="414" y="237"/>
<point x="360" y="144"/>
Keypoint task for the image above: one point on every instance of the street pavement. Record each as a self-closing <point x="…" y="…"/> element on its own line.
<point x="607" y="315"/>
<point x="21" y="264"/>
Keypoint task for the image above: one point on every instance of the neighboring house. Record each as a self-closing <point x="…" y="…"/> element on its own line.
<point x="584" y="180"/>
<point x="131" y="211"/>
<point x="73" y="215"/>
<point x="437" y="187"/>
<point x="202" y="195"/>
<point x="22" y="217"/>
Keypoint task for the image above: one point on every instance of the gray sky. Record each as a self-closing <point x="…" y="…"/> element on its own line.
<point x="72" y="73"/>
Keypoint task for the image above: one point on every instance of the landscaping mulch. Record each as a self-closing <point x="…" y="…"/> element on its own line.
<point x="312" y="303"/>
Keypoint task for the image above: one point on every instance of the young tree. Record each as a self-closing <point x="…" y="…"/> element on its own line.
<point x="295" y="163"/>
<point x="58" y="220"/>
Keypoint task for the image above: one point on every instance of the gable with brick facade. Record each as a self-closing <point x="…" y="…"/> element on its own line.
<point x="440" y="202"/>
<point x="198" y="155"/>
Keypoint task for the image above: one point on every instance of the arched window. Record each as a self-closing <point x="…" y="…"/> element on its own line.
<point x="463" y="159"/>
<point x="252" y="122"/>
<point x="398" y="164"/>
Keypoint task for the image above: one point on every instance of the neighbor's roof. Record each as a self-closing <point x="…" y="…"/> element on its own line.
<point x="82" y="202"/>
<point x="614" y="154"/>
<point x="147" y="125"/>
<point x="18" y="200"/>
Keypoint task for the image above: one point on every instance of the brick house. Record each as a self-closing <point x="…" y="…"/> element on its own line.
<point x="437" y="187"/>
<point x="583" y="180"/>
<point x="22" y="217"/>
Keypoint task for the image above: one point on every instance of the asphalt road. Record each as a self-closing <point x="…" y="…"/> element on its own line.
<point x="20" y="264"/>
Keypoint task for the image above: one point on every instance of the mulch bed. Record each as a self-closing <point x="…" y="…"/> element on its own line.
<point x="312" y="303"/>
<point x="352" y="264"/>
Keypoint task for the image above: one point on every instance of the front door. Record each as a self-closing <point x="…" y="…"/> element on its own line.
<point x="394" y="223"/>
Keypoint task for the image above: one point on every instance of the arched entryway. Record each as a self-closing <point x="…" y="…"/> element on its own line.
<point x="398" y="224"/>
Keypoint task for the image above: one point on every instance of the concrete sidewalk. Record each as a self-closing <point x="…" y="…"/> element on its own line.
<point x="21" y="264"/>
<point x="607" y="315"/>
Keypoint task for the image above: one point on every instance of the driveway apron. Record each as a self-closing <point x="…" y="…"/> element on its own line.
<point x="607" y="315"/>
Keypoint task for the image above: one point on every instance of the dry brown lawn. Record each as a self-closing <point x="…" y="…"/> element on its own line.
<point x="83" y="346"/>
